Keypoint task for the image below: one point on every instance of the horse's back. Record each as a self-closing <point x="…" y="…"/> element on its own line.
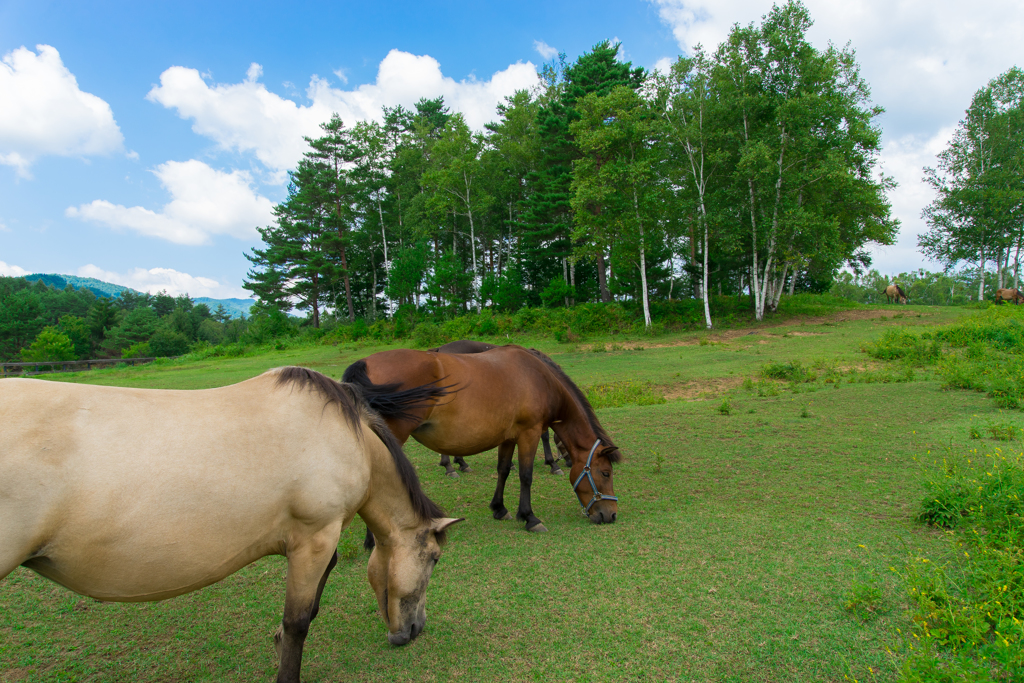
<point x="199" y="483"/>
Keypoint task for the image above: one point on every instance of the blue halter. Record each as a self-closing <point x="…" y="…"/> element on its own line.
<point x="593" y="485"/>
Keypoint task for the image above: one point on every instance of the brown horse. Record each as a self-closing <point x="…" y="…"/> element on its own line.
<point x="894" y="293"/>
<point x="470" y="346"/>
<point x="505" y="398"/>
<point x="140" y="494"/>
<point x="1009" y="295"/>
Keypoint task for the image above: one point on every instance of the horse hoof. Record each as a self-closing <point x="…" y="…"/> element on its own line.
<point x="452" y="475"/>
<point x="557" y="472"/>
<point x="466" y="469"/>
<point x="538" y="528"/>
<point x="507" y="517"/>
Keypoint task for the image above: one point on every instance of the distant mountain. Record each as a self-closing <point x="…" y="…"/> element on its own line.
<point x="97" y="287"/>
<point x="236" y="308"/>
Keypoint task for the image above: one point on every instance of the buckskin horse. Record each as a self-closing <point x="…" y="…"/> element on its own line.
<point x="470" y="346"/>
<point x="142" y="494"/>
<point x="1009" y="295"/>
<point x="894" y="293"/>
<point x="504" y="397"/>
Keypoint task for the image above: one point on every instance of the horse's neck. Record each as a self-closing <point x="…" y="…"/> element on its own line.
<point x="387" y="509"/>
<point x="573" y="426"/>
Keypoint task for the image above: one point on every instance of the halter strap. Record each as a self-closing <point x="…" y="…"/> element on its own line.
<point x="593" y="485"/>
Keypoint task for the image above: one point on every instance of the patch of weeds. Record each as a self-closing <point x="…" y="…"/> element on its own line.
<point x="725" y="407"/>
<point x="748" y="384"/>
<point x="792" y="371"/>
<point x="806" y="412"/>
<point x="863" y="599"/>
<point x="704" y="341"/>
<point x="659" y="461"/>
<point x="598" y="347"/>
<point x="968" y="612"/>
<point x="767" y="388"/>
<point x="899" y="344"/>
<point x="625" y="393"/>
<point x="974" y="432"/>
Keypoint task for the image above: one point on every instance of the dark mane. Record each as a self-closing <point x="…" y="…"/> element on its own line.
<point x="588" y="410"/>
<point x="387" y="400"/>
<point x="900" y="291"/>
<point x="353" y="405"/>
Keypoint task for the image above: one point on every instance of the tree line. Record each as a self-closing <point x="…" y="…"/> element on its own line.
<point x="750" y="169"/>
<point x="39" y="322"/>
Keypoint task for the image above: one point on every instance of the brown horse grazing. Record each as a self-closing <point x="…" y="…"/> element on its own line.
<point x="140" y="494"/>
<point x="470" y="346"/>
<point x="894" y="293"/>
<point x="1009" y="295"/>
<point x="505" y="398"/>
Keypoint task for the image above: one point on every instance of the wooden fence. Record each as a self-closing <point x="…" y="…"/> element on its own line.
<point x="46" y="367"/>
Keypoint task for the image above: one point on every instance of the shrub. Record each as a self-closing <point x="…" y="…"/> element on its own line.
<point x="49" y="344"/>
<point x="138" y="350"/>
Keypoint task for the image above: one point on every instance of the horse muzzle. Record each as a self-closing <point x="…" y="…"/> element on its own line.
<point x="603" y="514"/>
<point x="407" y="634"/>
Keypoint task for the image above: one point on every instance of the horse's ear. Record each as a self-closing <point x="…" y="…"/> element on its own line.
<point x="439" y="524"/>
<point x="612" y="453"/>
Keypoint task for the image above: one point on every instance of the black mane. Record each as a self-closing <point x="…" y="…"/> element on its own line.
<point x="387" y="400"/>
<point x="352" y="402"/>
<point x="588" y="410"/>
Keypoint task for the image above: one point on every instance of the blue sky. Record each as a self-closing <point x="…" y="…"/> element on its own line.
<point x="142" y="142"/>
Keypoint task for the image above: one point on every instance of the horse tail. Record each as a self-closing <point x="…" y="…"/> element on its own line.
<point x="387" y="400"/>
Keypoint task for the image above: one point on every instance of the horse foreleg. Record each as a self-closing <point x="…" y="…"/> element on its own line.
<point x="527" y="454"/>
<point x="461" y="462"/>
<point x="505" y="451"/>
<point x="447" y="465"/>
<point x="549" y="460"/>
<point x="309" y="565"/>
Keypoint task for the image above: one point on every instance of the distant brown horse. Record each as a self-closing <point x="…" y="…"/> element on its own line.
<point x="470" y="346"/>
<point x="141" y="494"/>
<point x="504" y="397"/>
<point x="1009" y="295"/>
<point x="895" y="293"/>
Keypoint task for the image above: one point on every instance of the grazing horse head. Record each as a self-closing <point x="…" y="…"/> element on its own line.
<point x="902" y="294"/>
<point x="399" y="570"/>
<point x="590" y="450"/>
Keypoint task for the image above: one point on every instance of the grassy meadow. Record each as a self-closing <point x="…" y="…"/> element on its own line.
<point x="759" y="521"/>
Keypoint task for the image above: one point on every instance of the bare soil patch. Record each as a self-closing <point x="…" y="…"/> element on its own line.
<point x="701" y="389"/>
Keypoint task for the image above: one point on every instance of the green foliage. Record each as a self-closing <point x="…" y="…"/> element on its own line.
<point x="725" y="407"/>
<point x="863" y="600"/>
<point x="969" y="611"/>
<point x="792" y="371"/>
<point x="49" y="344"/>
<point x="138" y="350"/>
<point x="624" y="393"/>
<point x="900" y="344"/>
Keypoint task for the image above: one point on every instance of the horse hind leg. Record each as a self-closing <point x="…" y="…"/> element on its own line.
<point x="549" y="460"/>
<point x="447" y="465"/>
<point x="463" y="466"/>
<point x="497" y="506"/>
<point x="309" y="565"/>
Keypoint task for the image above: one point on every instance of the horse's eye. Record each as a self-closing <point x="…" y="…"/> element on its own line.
<point x="606" y="474"/>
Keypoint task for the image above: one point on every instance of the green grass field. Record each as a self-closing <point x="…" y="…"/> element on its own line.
<point x="751" y="546"/>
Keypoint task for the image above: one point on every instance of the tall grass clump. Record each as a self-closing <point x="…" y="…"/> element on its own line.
<point x="968" y="612"/>
<point x="899" y="344"/>
<point x="625" y="393"/>
<point x="792" y="371"/>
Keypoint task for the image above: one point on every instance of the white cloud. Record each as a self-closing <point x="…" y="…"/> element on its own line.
<point x="12" y="270"/>
<point x="45" y="113"/>
<point x="159" y="279"/>
<point x="545" y="50"/>
<point x="246" y="117"/>
<point x="663" y="65"/>
<point x="204" y="202"/>
<point x="923" y="59"/>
